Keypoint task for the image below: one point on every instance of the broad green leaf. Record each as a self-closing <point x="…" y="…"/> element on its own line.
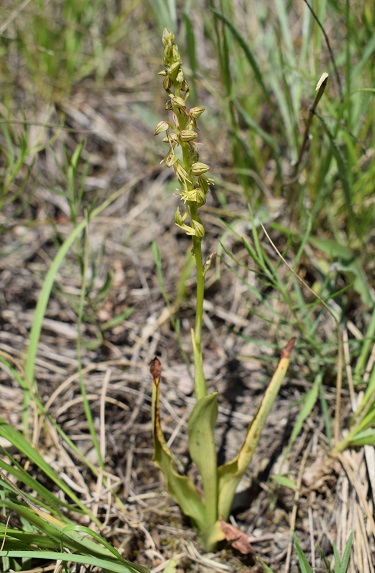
<point x="230" y="474"/>
<point x="202" y="449"/>
<point x="180" y="488"/>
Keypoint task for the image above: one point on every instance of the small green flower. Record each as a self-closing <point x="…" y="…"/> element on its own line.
<point x="189" y="195"/>
<point x="198" y="228"/>
<point x="170" y="159"/>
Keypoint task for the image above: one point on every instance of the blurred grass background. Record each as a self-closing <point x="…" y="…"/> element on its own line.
<point x="80" y="98"/>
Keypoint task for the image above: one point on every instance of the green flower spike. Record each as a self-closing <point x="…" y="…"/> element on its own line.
<point x="181" y="133"/>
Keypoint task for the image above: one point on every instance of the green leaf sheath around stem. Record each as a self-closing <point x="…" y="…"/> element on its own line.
<point x="230" y="473"/>
<point x="180" y="488"/>
<point x="202" y="450"/>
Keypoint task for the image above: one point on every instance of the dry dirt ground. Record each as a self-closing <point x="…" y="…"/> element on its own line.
<point x="332" y="498"/>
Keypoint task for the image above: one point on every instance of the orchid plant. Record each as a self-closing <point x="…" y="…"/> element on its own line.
<point x="207" y="511"/>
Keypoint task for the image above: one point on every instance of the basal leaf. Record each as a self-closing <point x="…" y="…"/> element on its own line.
<point x="202" y="450"/>
<point x="230" y="474"/>
<point x="180" y="488"/>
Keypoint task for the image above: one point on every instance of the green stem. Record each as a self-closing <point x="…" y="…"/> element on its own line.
<point x="199" y="378"/>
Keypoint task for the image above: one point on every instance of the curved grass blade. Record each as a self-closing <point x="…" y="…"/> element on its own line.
<point x="20" y="442"/>
<point x="248" y="54"/>
<point x="104" y="564"/>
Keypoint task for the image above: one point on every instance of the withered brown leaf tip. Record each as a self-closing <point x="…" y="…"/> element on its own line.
<point x="155" y="368"/>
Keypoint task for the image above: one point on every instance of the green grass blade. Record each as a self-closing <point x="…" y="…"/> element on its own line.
<point x="364" y="438"/>
<point x="165" y="14"/>
<point x="365" y="352"/>
<point x="104" y="564"/>
<point x="23" y="446"/>
<point x="346" y="556"/>
<point x="248" y="54"/>
<point x="343" y="174"/>
<point x="64" y="533"/>
<point x="43" y="301"/>
<point x="326" y="415"/>
<point x="46" y="292"/>
<point x="304" y="565"/>
<point x="82" y="387"/>
<point x="309" y="401"/>
<point x="50" y="501"/>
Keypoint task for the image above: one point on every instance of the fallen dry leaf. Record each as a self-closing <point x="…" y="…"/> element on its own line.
<point x="238" y="539"/>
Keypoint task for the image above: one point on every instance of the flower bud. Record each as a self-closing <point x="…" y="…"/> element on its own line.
<point x="171" y="159"/>
<point x="172" y="138"/>
<point x="168" y="37"/>
<point x="187" y="135"/>
<point x="197" y="111"/>
<point x="178" y="101"/>
<point x="180" y="78"/>
<point x="175" y="54"/>
<point x="188" y="195"/>
<point x="198" y="228"/>
<point x="173" y="68"/>
<point x="167" y="83"/>
<point x="200" y="197"/>
<point x="161" y="126"/>
<point x="199" y="168"/>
